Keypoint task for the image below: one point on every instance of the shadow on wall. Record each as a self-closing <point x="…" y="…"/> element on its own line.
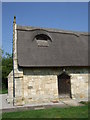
<point x="55" y="70"/>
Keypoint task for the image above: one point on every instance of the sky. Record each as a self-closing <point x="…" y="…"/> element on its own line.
<point x="71" y="16"/>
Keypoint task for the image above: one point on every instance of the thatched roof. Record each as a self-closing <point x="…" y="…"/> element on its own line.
<point x="41" y="47"/>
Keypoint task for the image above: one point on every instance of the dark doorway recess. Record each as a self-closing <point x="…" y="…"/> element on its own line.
<point x="64" y="85"/>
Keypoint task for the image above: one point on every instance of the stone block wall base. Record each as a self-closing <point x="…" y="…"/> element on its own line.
<point x="10" y="100"/>
<point x="23" y="101"/>
<point x="41" y="85"/>
<point x="18" y="101"/>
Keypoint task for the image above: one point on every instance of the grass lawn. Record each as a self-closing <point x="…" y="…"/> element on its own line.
<point x="3" y="91"/>
<point x="71" y="112"/>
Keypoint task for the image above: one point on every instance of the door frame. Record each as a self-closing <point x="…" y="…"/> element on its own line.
<point x="68" y="77"/>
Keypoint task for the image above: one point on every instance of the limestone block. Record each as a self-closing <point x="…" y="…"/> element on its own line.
<point x="19" y="101"/>
<point x="79" y="87"/>
<point x="44" y="82"/>
<point x="9" y="100"/>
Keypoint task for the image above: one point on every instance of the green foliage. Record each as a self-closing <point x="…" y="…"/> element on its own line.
<point x="7" y="66"/>
<point x="4" y="91"/>
<point x="1" y="51"/>
<point x="0" y="67"/>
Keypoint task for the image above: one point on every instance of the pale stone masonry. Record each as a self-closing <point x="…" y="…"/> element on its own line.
<point x="40" y="84"/>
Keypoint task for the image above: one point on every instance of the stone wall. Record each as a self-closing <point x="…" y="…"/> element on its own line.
<point x="40" y="88"/>
<point x="10" y="87"/>
<point x="40" y="85"/>
<point x="79" y="86"/>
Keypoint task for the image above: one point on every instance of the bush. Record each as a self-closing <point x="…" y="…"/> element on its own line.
<point x="7" y="66"/>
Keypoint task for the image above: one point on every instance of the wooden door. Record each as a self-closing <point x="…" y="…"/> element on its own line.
<point x="64" y="86"/>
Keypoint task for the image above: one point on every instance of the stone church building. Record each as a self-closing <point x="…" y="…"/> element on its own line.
<point x="48" y="65"/>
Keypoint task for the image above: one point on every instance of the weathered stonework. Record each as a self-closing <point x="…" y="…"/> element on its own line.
<point x="40" y="88"/>
<point x="39" y="85"/>
<point x="79" y="86"/>
<point x="10" y="87"/>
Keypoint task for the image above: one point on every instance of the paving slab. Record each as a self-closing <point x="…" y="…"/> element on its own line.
<point x="71" y="102"/>
<point x="3" y="98"/>
<point x="63" y="103"/>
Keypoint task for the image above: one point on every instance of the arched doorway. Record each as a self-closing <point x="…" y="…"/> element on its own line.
<point x="64" y="85"/>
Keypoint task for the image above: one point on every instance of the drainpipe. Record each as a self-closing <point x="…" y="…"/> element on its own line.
<point x="14" y="22"/>
<point x="13" y="84"/>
